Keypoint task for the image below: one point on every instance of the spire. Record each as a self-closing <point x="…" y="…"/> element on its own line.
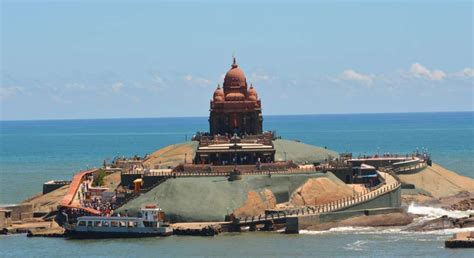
<point x="234" y="64"/>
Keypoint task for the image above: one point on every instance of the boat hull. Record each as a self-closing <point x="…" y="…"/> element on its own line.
<point x="98" y="235"/>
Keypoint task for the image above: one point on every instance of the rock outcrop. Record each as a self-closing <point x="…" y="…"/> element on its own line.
<point x="256" y="203"/>
<point x="318" y="191"/>
<point x="443" y="222"/>
<point x="439" y="182"/>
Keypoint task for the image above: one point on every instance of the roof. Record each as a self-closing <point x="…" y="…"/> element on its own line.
<point x="107" y="218"/>
<point x="229" y="147"/>
<point x="301" y="153"/>
<point x="365" y="166"/>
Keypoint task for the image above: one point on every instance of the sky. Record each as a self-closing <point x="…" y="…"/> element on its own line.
<point x="115" y="59"/>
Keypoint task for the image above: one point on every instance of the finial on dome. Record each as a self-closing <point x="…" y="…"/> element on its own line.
<point x="251" y="85"/>
<point x="234" y="63"/>
<point x="218" y="85"/>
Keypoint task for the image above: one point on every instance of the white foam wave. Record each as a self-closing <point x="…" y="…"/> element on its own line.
<point x="354" y="230"/>
<point x="449" y="231"/>
<point x="428" y="213"/>
<point x="432" y="212"/>
<point x="378" y="230"/>
<point x="356" y="246"/>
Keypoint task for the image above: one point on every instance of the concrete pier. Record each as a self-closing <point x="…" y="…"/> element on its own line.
<point x="200" y="228"/>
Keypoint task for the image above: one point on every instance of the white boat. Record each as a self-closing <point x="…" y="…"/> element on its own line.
<point x="150" y="224"/>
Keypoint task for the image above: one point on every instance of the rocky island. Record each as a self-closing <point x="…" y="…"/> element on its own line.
<point x="239" y="177"/>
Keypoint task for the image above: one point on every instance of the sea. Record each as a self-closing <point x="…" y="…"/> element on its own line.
<point x="33" y="152"/>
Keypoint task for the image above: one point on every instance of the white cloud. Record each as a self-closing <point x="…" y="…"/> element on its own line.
<point x="75" y="86"/>
<point x="256" y="77"/>
<point x="197" y="80"/>
<point x="158" y="80"/>
<point x="59" y="99"/>
<point x="351" y="75"/>
<point x="9" y="92"/>
<point x="188" y="77"/>
<point x="419" y="71"/>
<point x="117" y="87"/>
<point x="466" y="72"/>
<point x="156" y="84"/>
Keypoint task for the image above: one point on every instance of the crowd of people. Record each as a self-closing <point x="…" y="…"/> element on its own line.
<point x="106" y="208"/>
<point x="87" y="199"/>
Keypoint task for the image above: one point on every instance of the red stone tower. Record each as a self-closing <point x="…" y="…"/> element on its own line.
<point x="236" y="108"/>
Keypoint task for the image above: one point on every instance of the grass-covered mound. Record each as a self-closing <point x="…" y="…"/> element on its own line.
<point x="211" y="198"/>
<point x="300" y="153"/>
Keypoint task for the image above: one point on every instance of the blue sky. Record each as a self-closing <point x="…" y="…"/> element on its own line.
<point x="104" y="59"/>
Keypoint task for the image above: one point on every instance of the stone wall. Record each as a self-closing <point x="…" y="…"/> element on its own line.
<point x="19" y="211"/>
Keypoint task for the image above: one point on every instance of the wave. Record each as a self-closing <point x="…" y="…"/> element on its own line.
<point x="354" y="230"/>
<point x="356" y="246"/>
<point x="426" y="212"/>
<point x="432" y="212"/>
<point x="385" y="230"/>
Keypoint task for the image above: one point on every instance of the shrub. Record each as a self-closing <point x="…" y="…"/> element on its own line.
<point x="99" y="179"/>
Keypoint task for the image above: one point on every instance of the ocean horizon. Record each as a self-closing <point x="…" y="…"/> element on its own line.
<point x="206" y="116"/>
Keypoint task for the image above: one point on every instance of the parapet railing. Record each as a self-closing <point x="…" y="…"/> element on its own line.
<point x="405" y="169"/>
<point x="74" y="186"/>
<point x="410" y="168"/>
<point x="67" y="201"/>
<point x="336" y="205"/>
<point x="225" y="174"/>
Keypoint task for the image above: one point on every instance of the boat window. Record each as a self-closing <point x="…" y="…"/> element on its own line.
<point x="97" y="223"/>
<point x="130" y="224"/>
<point x="122" y="224"/>
<point x="114" y="224"/>
<point x="89" y="223"/>
<point x="105" y="223"/>
<point x="82" y="223"/>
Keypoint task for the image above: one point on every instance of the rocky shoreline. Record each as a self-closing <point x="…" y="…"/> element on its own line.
<point x="380" y="220"/>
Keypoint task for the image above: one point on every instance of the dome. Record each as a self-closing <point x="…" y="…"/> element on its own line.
<point x="253" y="96"/>
<point x="218" y="94"/>
<point x="235" y="76"/>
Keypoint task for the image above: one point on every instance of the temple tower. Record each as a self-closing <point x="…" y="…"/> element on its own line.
<point x="235" y="108"/>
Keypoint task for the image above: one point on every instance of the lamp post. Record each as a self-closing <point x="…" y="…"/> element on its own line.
<point x="234" y="139"/>
<point x="235" y="155"/>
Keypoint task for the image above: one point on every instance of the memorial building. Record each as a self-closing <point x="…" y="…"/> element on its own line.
<point x="235" y="126"/>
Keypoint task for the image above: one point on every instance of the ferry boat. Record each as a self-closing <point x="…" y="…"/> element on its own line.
<point x="150" y="224"/>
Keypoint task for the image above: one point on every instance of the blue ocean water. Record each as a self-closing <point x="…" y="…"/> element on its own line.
<point x="32" y="152"/>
